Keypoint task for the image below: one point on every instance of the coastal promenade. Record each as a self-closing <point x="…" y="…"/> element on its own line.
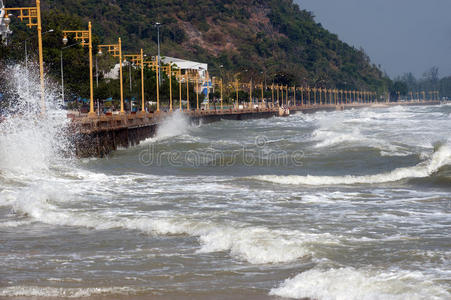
<point x="98" y="136"/>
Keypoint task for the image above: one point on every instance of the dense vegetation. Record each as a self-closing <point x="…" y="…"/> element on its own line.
<point x="272" y="40"/>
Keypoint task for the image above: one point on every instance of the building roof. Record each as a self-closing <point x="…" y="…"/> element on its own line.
<point x="185" y="64"/>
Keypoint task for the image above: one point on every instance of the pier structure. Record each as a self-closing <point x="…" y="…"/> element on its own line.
<point x="97" y="134"/>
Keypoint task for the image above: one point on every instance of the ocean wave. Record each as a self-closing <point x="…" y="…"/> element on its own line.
<point x="330" y="138"/>
<point x="439" y="159"/>
<point x="353" y="284"/>
<point x="257" y="245"/>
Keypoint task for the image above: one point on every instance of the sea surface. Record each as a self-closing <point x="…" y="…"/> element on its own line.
<point x="350" y="204"/>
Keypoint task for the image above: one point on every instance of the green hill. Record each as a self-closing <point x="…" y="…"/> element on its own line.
<point x="272" y="39"/>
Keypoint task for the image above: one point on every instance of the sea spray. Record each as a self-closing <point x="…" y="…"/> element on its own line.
<point x="174" y="125"/>
<point x="31" y="141"/>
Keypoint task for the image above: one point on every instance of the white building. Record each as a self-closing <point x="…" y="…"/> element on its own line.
<point x="184" y="65"/>
<point x="202" y="68"/>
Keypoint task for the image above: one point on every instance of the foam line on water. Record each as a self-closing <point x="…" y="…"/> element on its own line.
<point x="355" y="284"/>
<point x="439" y="159"/>
<point x="38" y="291"/>
<point x="255" y="244"/>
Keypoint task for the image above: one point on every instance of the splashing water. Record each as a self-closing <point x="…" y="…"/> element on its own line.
<point x="29" y="140"/>
<point x="174" y="125"/>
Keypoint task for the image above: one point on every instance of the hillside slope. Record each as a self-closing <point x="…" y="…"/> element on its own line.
<point x="268" y="38"/>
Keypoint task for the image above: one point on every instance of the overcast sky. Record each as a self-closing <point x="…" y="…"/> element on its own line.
<point x="401" y="35"/>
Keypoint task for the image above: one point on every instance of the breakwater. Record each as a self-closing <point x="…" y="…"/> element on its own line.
<point x="100" y="135"/>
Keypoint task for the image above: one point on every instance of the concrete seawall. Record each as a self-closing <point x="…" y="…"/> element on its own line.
<point x="98" y="137"/>
<point x="101" y="135"/>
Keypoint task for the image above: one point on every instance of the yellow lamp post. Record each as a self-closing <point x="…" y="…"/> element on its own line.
<point x="138" y="59"/>
<point x="281" y="94"/>
<point x="286" y="96"/>
<point x="314" y="95"/>
<point x="197" y="90"/>
<point x="187" y="90"/>
<point x="179" y="76"/>
<point x="250" y="95"/>
<point x="157" y="67"/>
<point x="236" y="91"/>
<point x="153" y="64"/>
<point x="320" y="96"/>
<point x="208" y="91"/>
<point x="116" y="51"/>
<point x="83" y="35"/>
<point x="32" y="15"/>
<point x="220" y="84"/>
<point x="302" y="96"/>
<point x="272" y="94"/>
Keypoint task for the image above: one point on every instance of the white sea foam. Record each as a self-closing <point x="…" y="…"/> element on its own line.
<point x="9" y="224"/>
<point x="352" y="284"/>
<point x="37" y="291"/>
<point x="257" y="245"/>
<point x="439" y="159"/>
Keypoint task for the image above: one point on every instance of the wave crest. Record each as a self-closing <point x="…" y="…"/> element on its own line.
<point x="351" y="284"/>
<point x="439" y="159"/>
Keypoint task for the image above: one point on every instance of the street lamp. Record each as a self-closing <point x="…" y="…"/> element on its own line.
<point x="138" y="59"/>
<point x="31" y="15"/>
<point x="82" y="35"/>
<point x="116" y="51"/>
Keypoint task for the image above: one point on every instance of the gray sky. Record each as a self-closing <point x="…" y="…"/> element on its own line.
<point x="401" y="35"/>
